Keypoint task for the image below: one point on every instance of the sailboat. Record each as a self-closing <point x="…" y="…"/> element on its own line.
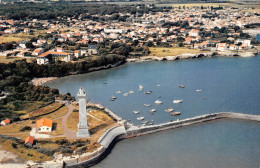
<point x="176" y="112"/>
<point x="140" y="88"/>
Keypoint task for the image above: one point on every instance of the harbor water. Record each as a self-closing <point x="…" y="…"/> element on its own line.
<point x="227" y="84"/>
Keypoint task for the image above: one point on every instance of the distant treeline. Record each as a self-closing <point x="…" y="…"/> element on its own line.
<point x="19" y="11"/>
<point x="14" y="78"/>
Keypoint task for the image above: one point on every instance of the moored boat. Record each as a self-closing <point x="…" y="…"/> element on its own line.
<point x="152" y="110"/>
<point x="140" y="88"/>
<point x="181" y="86"/>
<point x="112" y="98"/>
<point x="131" y="92"/>
<point x="140" y="118"/>
<point x="125" y="94"/>
<point x="169" y="110"/>
<point x="147" y="105"/>
<point x="158" y="102"/>
<point x="118" y="92"/>
<point x="136" y="112"/>
<point x="177" y="101"/>
<point x="176" y="113"/>
<point x="198" y="90"/>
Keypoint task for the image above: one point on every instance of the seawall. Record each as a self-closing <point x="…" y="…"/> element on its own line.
<point x="126" y="130"/>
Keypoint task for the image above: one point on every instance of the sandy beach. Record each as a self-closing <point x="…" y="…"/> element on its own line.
<point x="40" y="81"/>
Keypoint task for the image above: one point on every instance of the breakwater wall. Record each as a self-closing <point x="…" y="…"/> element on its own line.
<point x="114" y="134"/>
<point x="138" y="131"/>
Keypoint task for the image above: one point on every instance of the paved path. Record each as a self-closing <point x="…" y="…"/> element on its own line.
<point x="69" y="134"/>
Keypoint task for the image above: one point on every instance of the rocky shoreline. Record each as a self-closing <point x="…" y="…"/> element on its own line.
<point x="191" y="56"/>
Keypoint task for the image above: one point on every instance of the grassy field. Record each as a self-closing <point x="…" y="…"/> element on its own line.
<point x="21" y="36"/>
<point x="58" y="128"/>
<point x="163" y="51"/>
<point x="6" y="60"/>
<point x="15" y="127"/>
<point x="59" y="113"/>
<point x="23" y="152"/>
<point x="45" y="110"/>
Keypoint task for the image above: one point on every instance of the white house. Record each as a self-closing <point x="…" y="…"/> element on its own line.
<point x="44" y="125"/>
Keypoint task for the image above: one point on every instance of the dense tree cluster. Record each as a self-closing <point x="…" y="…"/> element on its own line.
<point x="53" y="10"/>
<point x="14" y="78"/>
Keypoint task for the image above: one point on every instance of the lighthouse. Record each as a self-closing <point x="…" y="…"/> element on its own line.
<point x="83" y="123"/>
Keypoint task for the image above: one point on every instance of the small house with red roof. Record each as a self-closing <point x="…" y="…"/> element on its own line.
<point x="5" y="122"/>
<point x="29" y="141"/>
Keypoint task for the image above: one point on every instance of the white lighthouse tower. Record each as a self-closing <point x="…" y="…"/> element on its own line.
<point x="83" y="123"/>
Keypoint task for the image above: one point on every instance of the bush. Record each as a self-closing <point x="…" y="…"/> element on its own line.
<point x="26" y="128"/>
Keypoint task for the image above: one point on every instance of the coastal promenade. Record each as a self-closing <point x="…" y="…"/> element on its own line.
<point x="126" y="130"/>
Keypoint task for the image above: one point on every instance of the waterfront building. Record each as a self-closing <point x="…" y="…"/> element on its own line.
<point x="83" y="124"/>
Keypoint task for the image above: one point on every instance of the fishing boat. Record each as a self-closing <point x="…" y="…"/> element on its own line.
<point x="181" y="86"/>
<point x="112" y="98"/>
<point x="177" y="101"/>
<point x="175" y="113"/>
<point x="131" y="92"/>
<point x="169" y="110"/>
<point x="158" y="102"/>
<point x="152" y="110"/>
<point x="198" y="90"/>
<point x="147" y="105"/>
<point x="118" y="92"/>
<point x="140" y="118"/>
<point x="125" y="94"/>
<point x="140" y="88"/>
<point x="136" y="112"/>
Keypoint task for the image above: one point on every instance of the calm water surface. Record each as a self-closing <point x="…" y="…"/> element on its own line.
<point x="229" y="84"/>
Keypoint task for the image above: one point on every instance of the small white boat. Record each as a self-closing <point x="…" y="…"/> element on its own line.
<point x="136" y="112"/>
<point x="181" y="86"/>
<point x="125" y="94"/>
<point x="118" y="92"/>
<point x="152" y="110"/>
<point x="198" y="90"/>
<point x="158" y="85"/>
<point x="145" y="122"/>
<point x="158" y="102"/>
<point x="131" y="92"/>
<point x="177" y="101"/>
<point x="169" y="110"/>
<point x="147" y="105"/>
<point x="140" y="88"/>
<point x="148" y="92"/>
<point x="112" y="98"/>
<point x="140" y="118"/>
